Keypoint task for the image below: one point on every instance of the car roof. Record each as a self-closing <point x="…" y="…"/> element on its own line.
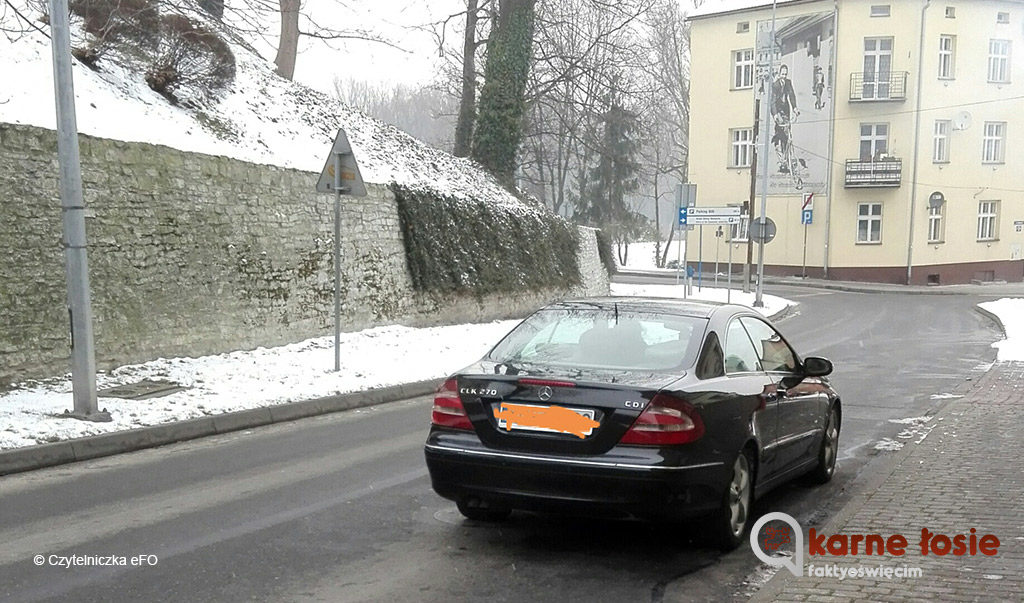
<point x="662" y="305"/>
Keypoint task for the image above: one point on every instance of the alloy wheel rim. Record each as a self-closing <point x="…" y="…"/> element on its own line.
<point x="739" y="495"/>
<point x="831" y="438"/>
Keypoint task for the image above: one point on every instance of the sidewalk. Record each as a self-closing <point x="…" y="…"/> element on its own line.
<point x="966" y="473"/>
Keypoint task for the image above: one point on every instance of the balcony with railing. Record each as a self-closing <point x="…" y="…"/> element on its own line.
<point x="881" y="86"/>
<point x="881" y="173"/>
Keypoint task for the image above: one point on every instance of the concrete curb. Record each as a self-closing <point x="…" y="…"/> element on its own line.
<point x="90" y="447"/>
<point x="993" y="316"/>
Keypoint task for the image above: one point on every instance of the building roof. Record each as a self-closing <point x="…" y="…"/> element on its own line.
<point x="715" y="8"/>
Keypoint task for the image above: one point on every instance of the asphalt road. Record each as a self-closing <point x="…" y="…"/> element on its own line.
<point x="339" y="508"/>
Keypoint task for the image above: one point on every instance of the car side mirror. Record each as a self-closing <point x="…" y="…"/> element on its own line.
<point x="817" y="367"/>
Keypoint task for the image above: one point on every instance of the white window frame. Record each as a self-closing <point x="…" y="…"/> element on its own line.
<point x="880" y="10"/>
<point x="988" y="220"/>
<point x="873" y="221"/>
<point x="936" y="232"/>
<point x="999" y="61"/>
<point x="993" y="149"/>
<point x="743" y="69"/>
<point x="1002" y="18"/>
<point x="743" y="27"/>
<point x="879" y="143"/>
<point x="741" y="147"/>
<point x="940" y="140"/>
<point x="947" y="57"/>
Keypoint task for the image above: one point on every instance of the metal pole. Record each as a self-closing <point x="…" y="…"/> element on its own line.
<point x="700" y="257"/>
<point x="679" y="231"/>
<point x="337" y="262"/>
<point x="718" y="246"/>
<point x="76" y="262"/>
<point x="803" y="271"/>
<point x="728" y="286"/>
<point x="758" y="301"/>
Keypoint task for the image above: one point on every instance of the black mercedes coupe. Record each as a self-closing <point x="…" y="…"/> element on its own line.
<point x="636" y="407"/>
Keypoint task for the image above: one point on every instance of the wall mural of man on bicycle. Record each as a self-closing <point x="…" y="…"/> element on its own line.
<point x="802" y="88"/>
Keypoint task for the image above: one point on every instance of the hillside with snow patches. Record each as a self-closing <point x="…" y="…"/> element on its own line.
<point x="260" y="118"/>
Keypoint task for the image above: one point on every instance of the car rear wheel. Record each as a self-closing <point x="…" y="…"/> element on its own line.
<point x="730" y="521"/>
<point x="829" y="450"/>
<point x="474" y="508"/>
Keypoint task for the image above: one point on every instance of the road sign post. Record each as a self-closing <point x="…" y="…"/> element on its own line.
<point x="806" y="216"/>
<point x="340" y="176"/>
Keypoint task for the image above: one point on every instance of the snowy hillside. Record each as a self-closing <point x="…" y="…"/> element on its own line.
<point x="260" y="118"/>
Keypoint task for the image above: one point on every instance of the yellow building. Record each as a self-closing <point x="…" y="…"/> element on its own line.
<point x="902" y="120"/>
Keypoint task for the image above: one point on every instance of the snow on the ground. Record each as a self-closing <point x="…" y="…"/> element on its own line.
<point x="772" y="304"/>
<point x="888" y="445"/>
<point x="234" y="381"/>
<point x="641" y="255"/>
<point x="1011" y="313"/>
<point x="261" y="118"/>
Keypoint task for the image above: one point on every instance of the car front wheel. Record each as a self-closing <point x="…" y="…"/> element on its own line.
<point x="829" y="450"/>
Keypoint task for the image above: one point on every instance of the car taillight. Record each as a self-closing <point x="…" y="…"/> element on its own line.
<point x="448" y="410"/>
<point x="666" y="421"/>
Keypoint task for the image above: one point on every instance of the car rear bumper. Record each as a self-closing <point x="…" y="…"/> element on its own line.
<point x="635" y="484"/>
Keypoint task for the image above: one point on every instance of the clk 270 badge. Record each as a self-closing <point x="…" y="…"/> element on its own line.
<point x="472" y="391"/>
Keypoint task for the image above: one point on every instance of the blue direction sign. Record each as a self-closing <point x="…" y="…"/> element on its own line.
<point x="806" y="216"/>
<point x="683" y="215"/>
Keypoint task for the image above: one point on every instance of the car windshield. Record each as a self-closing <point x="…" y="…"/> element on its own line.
<point x="603" y="338"/>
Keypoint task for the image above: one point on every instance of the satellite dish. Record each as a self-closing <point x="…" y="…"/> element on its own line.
<point x="962" y="121"/>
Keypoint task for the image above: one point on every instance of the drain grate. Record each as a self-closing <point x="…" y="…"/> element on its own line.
<point x="141" y="390"/>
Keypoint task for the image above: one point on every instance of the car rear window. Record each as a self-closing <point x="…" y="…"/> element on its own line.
<point x="603" y="338"/>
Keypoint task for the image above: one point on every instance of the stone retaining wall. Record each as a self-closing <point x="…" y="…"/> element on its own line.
<point x="193" y="254"/>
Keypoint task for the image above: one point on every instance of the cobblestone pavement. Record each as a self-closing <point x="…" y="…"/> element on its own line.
<point x="967" y="472"/>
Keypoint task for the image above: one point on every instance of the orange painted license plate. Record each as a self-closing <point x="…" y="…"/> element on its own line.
<point x="553" y="419"/>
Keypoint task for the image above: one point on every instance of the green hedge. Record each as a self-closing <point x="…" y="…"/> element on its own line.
<point x="471" y="246"/>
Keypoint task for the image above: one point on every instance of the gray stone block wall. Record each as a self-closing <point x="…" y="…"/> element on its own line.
<point x="193" y="254"/>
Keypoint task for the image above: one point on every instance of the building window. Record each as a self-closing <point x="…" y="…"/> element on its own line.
<point x="743" y="27"/>
<point x="742" y="147"/>
<point x="999" y="61"/>
<point x="743" y="68"/>
<point x="935" y="232"/>
<point x="951" y="12"/>
<point x="994" y="142"/>
<point x="877" y="68"/>
<point x="1002" y="17"/>
<point x="869" y="222"/>
<point x="874" y="141"/>
<point x="940" y="146"/>
<point x="947" y="50"/>
<point x="880" y="10"/>
<point x="988" y="214"/>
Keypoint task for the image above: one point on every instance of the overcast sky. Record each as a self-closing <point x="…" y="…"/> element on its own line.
<point x="407" y="25"/>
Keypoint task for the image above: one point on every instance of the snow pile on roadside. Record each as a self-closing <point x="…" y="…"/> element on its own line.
<point x="1011" y="313"/>
<point x="772" y="304"/>
<point x="372" y="358"/>
<point x="260" y="118"/>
